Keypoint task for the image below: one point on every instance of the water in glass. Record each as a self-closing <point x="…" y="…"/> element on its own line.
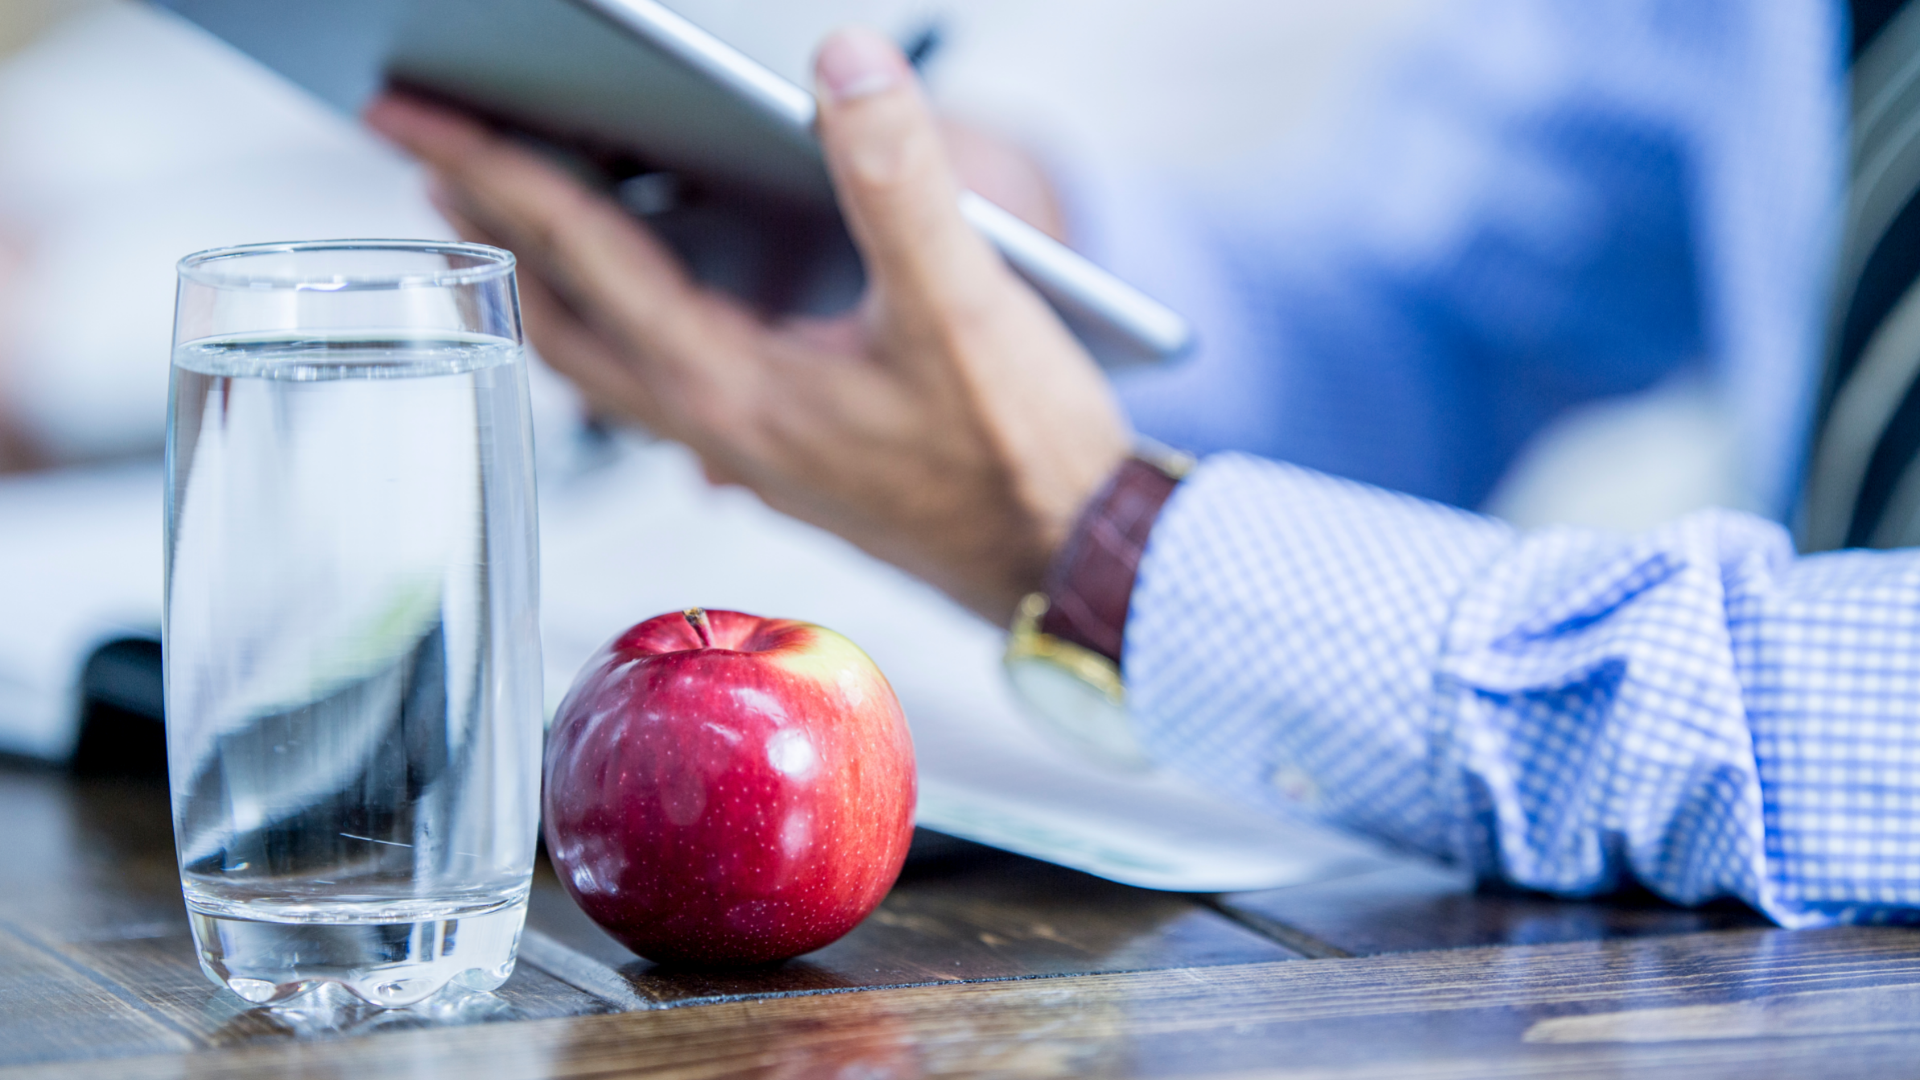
<point x="353" y="700"/>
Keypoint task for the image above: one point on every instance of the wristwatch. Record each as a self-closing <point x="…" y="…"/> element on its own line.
<point x="1063" y="650"/>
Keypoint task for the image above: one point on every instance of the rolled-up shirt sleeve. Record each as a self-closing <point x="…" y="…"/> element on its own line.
<point x="1694" y="708"/>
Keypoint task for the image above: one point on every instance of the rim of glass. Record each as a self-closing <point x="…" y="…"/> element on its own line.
<point x="206" y="267"/>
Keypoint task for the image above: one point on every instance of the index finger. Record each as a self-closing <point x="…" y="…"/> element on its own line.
<point x="607" y="265"/>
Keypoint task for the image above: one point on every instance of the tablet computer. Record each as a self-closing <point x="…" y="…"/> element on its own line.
<point x="716" y="151"/>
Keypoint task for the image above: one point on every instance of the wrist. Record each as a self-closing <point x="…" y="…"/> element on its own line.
<point x="1089" y="582"/>
<point x="1063" y="654"/>
<point x="1018" y="556"/>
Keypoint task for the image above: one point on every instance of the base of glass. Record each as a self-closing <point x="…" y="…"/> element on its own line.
<point x="390" y="964"/>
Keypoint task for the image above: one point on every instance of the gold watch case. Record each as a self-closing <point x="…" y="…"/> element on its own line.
<point x="1071" y="692"/>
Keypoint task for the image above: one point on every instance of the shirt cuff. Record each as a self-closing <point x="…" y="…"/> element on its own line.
<point x="1285" y="626"/>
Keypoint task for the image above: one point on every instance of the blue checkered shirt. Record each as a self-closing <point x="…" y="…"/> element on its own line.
<point x="1692" y="708"/>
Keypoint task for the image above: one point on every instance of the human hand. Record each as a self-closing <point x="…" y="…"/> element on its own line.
<point x="950" y="424"/>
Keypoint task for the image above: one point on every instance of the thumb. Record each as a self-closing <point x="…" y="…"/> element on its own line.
<point x="897" y="190"/>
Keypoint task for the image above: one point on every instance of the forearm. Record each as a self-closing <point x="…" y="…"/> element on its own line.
<point x="1282" y="635"/>
<point x="1566" y="710"/>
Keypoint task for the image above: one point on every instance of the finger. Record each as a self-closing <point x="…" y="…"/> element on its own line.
<point x="567" y="344"/>
<point x="890" y="170"/>
<point x="516" y="196"/>
<point x="677" y="357"/>
<point x="428" y="131"/>
<point x="719" y="475"/>
<point x="463" y="226"/>
<point x="606" y="264"/>
<point x="587" y="359"/>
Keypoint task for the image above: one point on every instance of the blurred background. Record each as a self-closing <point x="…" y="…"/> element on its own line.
<point x="129" y="137"/>
<point x="1206" y="150"/>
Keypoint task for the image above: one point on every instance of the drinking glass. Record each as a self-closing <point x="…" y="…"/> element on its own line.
<point x="353" y="700"/>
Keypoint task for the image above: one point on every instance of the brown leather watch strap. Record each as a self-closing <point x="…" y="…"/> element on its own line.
<point x="1090" y="583"/>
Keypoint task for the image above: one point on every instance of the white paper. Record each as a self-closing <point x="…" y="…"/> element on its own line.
<point x="79" y="566"/>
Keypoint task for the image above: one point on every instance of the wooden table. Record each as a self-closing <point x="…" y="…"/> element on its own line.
<point x="979" y="962"/>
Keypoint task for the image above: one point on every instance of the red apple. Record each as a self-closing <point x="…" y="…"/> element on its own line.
<point x="723" y="789"/>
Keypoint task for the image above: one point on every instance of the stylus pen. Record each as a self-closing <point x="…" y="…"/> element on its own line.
<point x="921" y="47"/>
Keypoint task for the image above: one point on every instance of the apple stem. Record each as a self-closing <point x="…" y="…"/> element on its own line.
<point x="697" y="618"/>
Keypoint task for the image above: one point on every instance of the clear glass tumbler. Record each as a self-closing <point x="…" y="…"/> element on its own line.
<point x="353" y="698"/>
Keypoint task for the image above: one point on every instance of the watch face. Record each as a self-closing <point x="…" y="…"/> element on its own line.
<point x="1077" y="713"/>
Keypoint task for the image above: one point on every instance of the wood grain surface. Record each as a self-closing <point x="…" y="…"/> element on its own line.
<point x="96" y="959"/>
<point x="1502" y="1011"/>
<point x="981" y="915"/>
<point x="979" y="962"/>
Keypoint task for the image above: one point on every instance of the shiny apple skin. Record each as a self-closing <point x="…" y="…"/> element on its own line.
<point x="732" y="805"/>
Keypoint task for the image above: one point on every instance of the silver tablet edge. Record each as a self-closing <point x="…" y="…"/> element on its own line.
<point x="711" y="57"/>
<point x="1058" y="269"/>
<point x="1048" y="264"/>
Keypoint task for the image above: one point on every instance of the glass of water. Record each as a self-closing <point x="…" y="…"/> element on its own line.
<point x="353" y="699"/>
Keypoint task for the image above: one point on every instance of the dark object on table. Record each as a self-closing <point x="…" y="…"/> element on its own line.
<point x="121" y="733"/>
